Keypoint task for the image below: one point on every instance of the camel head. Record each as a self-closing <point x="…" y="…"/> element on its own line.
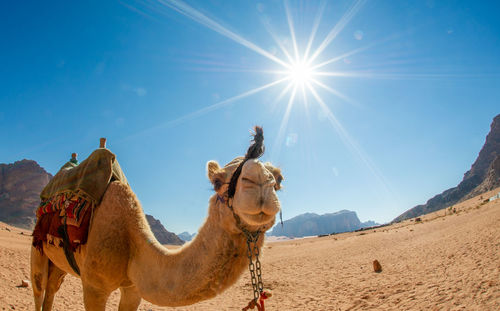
<point x="248" y="186"/>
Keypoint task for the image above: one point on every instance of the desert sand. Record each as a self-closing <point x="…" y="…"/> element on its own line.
<point x="450" y="260"/>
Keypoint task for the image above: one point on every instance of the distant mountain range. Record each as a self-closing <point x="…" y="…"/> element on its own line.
<point x="186" y="236"/>
<point x="483" y="176"/>
<point x="309" y="224"/>
<point x="20" y="185"/>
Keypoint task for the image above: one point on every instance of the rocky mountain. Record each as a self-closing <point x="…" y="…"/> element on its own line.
<point x="186" y="236"/>
<point x="162" y="235"/>
<point x="309" y="224"/>
<point x="483" y="176"/>
<point x="20" y="185"/>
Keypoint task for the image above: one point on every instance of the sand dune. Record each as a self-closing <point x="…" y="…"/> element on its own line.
<point x="447" y="261"/>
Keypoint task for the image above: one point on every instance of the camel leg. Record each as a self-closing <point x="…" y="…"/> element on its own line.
<point x="39" y="275"/>
<point x="56" y="277"/>
<point x="129" y="299"/>
<point x="94" y="298"/>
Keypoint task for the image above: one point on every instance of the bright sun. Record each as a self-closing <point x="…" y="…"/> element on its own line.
<point x="300" y="73"/>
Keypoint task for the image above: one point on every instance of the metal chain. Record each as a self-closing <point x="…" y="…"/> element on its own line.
<point x="258" y="269"/>
<point x="255" y="269"/>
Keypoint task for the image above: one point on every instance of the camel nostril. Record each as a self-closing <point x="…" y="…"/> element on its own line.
<point x="261" y="201"/>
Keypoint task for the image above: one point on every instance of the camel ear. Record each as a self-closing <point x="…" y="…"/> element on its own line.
<point x="212" y="168"/>
<point x="276" y="173"/>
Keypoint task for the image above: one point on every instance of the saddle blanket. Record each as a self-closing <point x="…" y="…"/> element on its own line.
<point x="76" y="212"/>
<point x="68" y="200"/>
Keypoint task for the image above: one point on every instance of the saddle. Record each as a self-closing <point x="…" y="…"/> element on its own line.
<point x="68" y="201"/>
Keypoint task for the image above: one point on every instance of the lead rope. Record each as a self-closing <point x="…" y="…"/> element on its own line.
<point x="259" y="295"/>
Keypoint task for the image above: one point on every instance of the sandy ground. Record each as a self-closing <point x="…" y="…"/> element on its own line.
<point x="448" y="261"/>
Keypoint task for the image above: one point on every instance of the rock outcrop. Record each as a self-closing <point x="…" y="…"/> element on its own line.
<point x="20" y="186"/>
<point x="491" y="180"/>
<point x="483" y="176"/>
<point x="309" y="224"/>
<point x="162" y="235"/>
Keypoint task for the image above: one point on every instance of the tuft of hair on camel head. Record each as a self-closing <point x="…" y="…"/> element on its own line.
<point x="256" y="149"/>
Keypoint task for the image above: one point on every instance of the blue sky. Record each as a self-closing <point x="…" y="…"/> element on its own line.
<point x="407" y="102"/>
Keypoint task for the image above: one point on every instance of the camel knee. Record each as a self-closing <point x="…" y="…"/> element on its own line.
<point x="39" y="270"/>
<point x="38" y="281"/>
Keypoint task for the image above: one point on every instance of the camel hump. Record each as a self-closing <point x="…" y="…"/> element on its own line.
<point x="90" y="178"/>
<point x="69" y="198"/>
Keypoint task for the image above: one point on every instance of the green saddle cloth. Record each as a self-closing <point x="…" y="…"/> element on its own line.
<point x="89" y="179"/>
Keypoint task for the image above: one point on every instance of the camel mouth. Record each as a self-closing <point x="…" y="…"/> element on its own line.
<point x="257" y="219"/>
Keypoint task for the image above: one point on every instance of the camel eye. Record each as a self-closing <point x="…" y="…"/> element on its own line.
<point x="217" y="184"/>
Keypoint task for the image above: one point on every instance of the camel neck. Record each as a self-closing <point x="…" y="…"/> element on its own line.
<point x="199" y="270"/>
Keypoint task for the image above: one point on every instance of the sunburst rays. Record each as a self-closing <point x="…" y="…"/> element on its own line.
<point x="298" y="72"/>
<point x="299" y="68"/>
<point x="296" y="67"/>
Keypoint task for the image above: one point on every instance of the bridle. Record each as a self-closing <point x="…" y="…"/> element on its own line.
<point x="255" y="150"/>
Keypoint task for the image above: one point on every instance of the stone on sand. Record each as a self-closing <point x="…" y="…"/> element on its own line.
<point x="376" y="266"/>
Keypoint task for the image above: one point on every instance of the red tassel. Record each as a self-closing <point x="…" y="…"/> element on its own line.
<point x="260" y="305"/>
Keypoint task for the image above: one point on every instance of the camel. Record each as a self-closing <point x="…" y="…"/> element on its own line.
<point x="122" y="252"/>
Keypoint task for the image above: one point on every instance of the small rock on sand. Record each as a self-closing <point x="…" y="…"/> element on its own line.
<point x="376" y="266"/>
<point x="24" y="283"/>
